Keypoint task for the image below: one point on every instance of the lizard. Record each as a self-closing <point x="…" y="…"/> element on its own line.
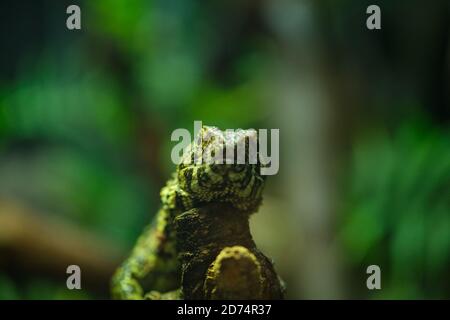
<point x="160" y="260"/>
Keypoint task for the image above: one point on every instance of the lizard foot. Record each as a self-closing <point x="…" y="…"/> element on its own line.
<point x="234" y="274"/>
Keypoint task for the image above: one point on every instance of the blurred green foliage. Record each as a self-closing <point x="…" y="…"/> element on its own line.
<point x="398" y="209"/>
<point x="75" y="138"/>
<point x="71" y="119"/>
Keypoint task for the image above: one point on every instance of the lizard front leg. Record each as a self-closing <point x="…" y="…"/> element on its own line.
<point x="234" y="274"/>
<point x="152" y="265"/>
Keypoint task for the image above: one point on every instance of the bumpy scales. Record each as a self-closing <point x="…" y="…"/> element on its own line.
<point x="199" y="245"/>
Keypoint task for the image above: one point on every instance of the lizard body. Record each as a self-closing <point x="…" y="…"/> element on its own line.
<point x="154" y="269"/>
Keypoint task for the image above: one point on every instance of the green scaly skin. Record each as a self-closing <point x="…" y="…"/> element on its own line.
<point x="153" y="270"/>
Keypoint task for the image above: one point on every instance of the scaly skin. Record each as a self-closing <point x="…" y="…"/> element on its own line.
<point x="153" y="270"/>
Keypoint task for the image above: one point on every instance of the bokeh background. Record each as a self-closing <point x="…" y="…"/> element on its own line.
<point x="86" y="118"/>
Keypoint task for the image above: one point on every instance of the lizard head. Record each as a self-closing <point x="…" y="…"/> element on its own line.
<point x="209" y="172"/>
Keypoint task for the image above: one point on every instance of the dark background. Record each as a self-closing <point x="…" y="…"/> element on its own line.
<point x="86" y="118"/>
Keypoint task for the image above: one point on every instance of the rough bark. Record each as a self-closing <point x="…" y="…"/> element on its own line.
<point x="219" y="258"/>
